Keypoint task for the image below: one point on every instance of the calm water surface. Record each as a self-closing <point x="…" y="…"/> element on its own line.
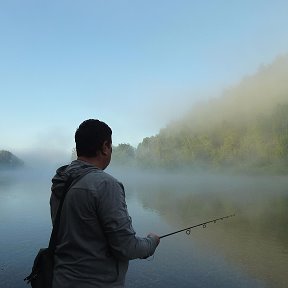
<point x="248" y="250"/>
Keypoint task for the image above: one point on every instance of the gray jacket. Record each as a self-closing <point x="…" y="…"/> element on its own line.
<point x="96" y="239"/>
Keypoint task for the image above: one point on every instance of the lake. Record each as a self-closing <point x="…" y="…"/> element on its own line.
<point x="248" y="250"/>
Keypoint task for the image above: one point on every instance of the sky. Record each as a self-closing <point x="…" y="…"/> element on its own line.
<point x="136" y="65"/>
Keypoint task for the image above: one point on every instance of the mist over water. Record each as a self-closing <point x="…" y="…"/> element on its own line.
<point x="255" y="240"/>
<point x="248" y="250"/>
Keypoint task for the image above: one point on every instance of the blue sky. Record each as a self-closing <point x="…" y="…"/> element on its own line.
<point x="134" y="64"/>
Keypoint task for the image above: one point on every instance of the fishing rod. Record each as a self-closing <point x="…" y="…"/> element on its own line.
<point x="188" y="229"/>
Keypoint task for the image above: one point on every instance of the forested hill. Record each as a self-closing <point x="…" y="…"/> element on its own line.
<point x="9" y="160"/>
<point x="245" y="129"/>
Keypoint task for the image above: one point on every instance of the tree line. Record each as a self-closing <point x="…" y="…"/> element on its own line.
<point x="260" y="144"/>
<point x="9" y="160"/>
<point x="245" y="129"/>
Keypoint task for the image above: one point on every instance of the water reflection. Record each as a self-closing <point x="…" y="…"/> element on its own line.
<point x="248" y="250"/>
<point x="255" y="240"/>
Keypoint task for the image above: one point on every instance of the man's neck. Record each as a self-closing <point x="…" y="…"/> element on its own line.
<point x="95" y="161"/>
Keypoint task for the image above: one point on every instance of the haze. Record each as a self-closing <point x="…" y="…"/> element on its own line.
<point x="135" y="65"/>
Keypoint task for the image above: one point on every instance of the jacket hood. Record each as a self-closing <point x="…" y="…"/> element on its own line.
<point x="70" y="172"/>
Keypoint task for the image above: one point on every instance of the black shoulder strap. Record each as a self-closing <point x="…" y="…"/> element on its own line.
<point x="54" y="233"/>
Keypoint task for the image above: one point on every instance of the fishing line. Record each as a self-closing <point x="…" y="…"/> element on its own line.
<point x="204" y="224"/>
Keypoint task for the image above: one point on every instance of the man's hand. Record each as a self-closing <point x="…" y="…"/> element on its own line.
<point x="155" y="236"/>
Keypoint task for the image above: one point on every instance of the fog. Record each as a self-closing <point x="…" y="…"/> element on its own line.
<point x="256" y="237"/>
<point x="254" y="95"/>
<point x="256" y="233"/>
<point x="155" y="77"/>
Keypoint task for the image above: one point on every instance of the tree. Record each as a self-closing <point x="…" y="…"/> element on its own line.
<point x="8" y="160"/>
<point x="123" y="154"/>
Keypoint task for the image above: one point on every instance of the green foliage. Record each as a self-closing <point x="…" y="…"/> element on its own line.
<point x="123" y="154"/>
<point x="245" y="130"/>
<point x="261" y="144"/>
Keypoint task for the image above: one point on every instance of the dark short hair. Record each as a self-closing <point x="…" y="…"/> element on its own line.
<point x="90" y="137"/>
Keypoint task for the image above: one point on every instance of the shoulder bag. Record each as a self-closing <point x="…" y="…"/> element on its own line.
<point x="42" y="269"/>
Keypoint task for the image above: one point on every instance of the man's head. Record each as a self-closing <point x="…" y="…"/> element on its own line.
<point x="93" y="139"/>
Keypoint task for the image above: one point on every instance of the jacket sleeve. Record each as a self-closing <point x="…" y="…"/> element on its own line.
<point x="117" y="224"/>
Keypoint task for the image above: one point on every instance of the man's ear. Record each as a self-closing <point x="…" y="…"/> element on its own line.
<point x="106" y="147"/>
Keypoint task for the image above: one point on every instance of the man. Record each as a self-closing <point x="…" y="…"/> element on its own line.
<point x="96" y="239"/>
